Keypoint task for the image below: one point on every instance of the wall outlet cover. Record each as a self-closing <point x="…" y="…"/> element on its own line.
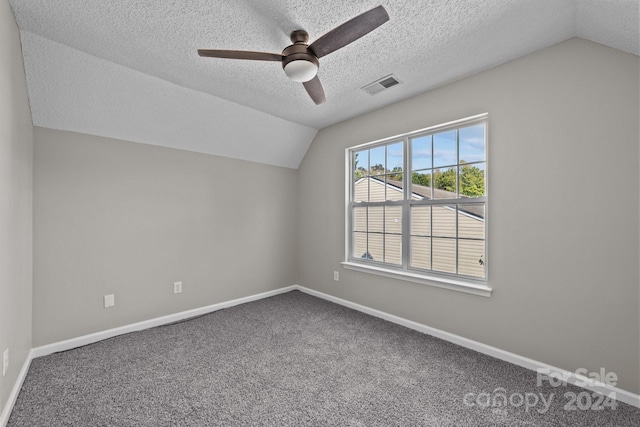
<point x="177" y="287"/>
<point x="5" y="362"/>
<point x="109" y="300"/>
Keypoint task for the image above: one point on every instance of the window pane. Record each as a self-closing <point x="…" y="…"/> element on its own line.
<point x="421" y="252"/>
<point x="360" y="219"/>
<point x="444" y="221"/>
<point x="394" y="187"/>
<point x="376" y="161"/>
<point x="421" y="153"/>
<point x="444" y="181"/>
<point x="421" y="220"/>
<point x="421" y="184"/>
<point x="392" y="249"/>
<point x="444" y="149"/>
<point x="395" y="157"/>
<point x="472" y="180"/>
<point x="471" y="221"/>
<point x="393" y="219"/>
<point x="444" y="255"/>
<point x="375" y="247"/>
<point x="360" y="164"/>
<point x="472" y="143"/>
<point x="359" y="245"/>
<point x="361" y="190"/>
<point x="376" y="219"/>
<point x="471" y="257"/>
<point x="376" y="189"/>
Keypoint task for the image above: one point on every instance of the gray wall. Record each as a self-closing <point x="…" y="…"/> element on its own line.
<point x="16" y="168"/>
<point x="563" y="216"/>
<point x="130" y="219"/>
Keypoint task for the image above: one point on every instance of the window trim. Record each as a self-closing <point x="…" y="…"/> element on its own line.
<point x="444" y="280"/>
<point x="410" y="276"/>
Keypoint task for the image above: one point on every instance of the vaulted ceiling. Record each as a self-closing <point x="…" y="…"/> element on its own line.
<point x="130" y="70"/>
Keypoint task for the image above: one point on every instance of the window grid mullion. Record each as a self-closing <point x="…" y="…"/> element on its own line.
<point x="384" y="233"/>
<point x="368" y="179"/>
<point x="458" y="194"/>
<point x="437" y="202"/>
<point x="433" y="185"/>
<point x="366" y="247"/>
<point x="457" y="240"/>
<point x="406" y="216"/>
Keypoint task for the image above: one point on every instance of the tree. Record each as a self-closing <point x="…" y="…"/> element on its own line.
<point x="359" y="170"/>
<point x="396" y="173"/>
<point x="471" y="181"/>
<point x="377" y="169"/>
<point x="445" y="180"/>
<point x="421" y="179"/>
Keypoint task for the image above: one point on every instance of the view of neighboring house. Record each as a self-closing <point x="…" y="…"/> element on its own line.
<point x="378" y="229"/>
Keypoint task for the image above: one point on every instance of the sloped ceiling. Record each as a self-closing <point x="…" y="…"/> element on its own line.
<point x="129" y="69"/>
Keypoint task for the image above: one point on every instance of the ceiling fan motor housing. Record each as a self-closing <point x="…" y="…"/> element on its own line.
<point x="300" y="64"/>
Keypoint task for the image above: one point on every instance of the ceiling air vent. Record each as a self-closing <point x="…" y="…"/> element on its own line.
<point x="381" y="84"/>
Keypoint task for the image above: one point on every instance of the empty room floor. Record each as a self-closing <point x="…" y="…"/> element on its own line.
<point x="295" y="359"/>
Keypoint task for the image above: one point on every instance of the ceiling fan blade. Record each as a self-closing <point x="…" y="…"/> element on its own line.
<point x="240" y="54"/>
<point x="349" y="31"/>
<point x="315" y="91"/>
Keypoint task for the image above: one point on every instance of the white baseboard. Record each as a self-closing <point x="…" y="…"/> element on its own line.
<point x="620" y="394"/>
<point x="571" y="377"/>
<point x="146" y="324"/>
<point x="13" y="396"/>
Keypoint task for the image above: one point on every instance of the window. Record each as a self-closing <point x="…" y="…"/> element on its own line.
<point x="417" y="206"/>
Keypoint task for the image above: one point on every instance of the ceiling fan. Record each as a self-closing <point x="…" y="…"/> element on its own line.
<point x="300" y="60"/>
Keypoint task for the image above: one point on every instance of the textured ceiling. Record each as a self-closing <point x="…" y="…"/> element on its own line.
<point x="129" y="69"/>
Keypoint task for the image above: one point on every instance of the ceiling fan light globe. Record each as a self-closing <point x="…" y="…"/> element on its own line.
<point x="301" y="70"/>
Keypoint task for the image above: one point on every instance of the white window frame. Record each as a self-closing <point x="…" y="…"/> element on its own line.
<point x="461" y="283"/>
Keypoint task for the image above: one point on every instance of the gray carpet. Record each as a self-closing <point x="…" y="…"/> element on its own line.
<point x="290" y="360"/>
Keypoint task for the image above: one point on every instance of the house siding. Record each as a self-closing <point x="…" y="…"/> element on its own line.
<point x="433" y="232"/>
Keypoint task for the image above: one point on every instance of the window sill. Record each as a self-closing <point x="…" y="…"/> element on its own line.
<point x="454" y="285"/>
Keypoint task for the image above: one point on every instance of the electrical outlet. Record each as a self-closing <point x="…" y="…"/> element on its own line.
<point x="336" y="276"/>
<point x="5" y="362"/>
<point x="109" y="301"/>
<point x="177" y="287"/>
